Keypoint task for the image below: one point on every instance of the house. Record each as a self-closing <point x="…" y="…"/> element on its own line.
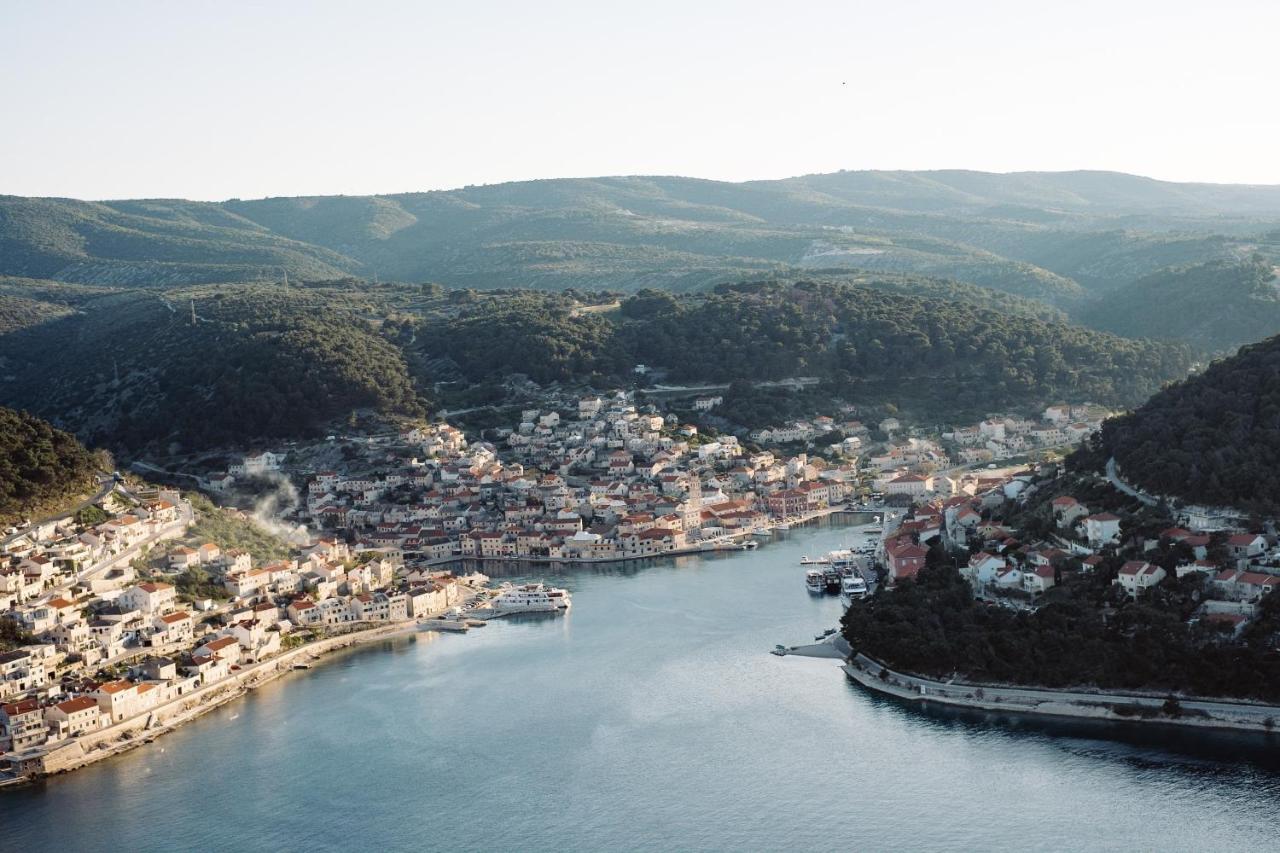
<point x="911" y="485"/>
<point x="983" y="567"/>
<point x="1102" y="528"/>
<point x="149" y="598"/>
<point x="1245" y="546"/>
<point x="1067" y="511"/>
<point x="172" y="628"/>
<point x="1137" y="575"/>
<point x="20" y="671"/>
<point x="117" y="700"/>
<point x="22" y="725"/>
<point x="183" y="558"/>
<point x="1039" y="580"/>
<point x="257" y="464"/>
<point x="904" y="559"/>
<point x="74" y="717"/>
<point x="227" y="648"/>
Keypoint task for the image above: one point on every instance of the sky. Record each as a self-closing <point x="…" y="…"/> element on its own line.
<point x="234" y="99"/>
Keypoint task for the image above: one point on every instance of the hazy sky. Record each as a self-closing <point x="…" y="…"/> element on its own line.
<point x="233" y="99"/>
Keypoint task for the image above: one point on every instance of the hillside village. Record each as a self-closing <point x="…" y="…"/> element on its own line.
<point x="601" y="478"/>
<point x="103" y="631"/>
<point x="1020" y="541"/>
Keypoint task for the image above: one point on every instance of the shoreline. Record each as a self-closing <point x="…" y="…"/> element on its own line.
<point x="731" y="542"/>
<point x="1048" y="702"/>
<point x="137" y="731"/>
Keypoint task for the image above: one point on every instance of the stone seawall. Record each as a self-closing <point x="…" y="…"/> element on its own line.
<point x="1186" y="711"/>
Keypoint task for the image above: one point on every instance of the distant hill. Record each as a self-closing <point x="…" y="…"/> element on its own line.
<point x="1049" y="236"/>
<point x="39" y="465"/>
<point x="1213" y="438"/>
<point x="1215" y="306"/>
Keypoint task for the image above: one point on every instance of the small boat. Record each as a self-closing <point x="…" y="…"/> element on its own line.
<point x="763" y="534"/>
<point x="782" y="527"/>
<point x="779" y="650"/>
<point x="814" y="582"/>
<point x="827" y="633"/>
<point x="814" y="561"/>
<point x="751" y="546"/>
<point x="302" y="666"/>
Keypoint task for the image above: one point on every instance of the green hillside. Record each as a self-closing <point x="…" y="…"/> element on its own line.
<point x="1215" y="306"/>
<point x="1214" y="438"/>
<point x="39" y="465"/>
<point x="935" y="357"/>
<point x="131" y="369"/>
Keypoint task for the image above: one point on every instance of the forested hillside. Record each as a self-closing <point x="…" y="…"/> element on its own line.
<point x="944" y="357"/>
<point x="1214" y="438"/>
<point x="1215" y="306"/>
<point x="1092" y="637"/>
<point x="39" y="465"/>
<point x="132" y="368"/>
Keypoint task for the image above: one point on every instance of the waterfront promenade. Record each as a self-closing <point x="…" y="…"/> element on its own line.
<point x="1105" y="705"/>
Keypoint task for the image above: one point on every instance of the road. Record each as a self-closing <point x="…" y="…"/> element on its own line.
<point x="108" y="484"/>
<point x="1114" y="479"/>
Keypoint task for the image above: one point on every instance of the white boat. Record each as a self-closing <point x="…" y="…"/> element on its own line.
<point x="530" y="598"/>
<point x="814" y="582"/>
<point x="853" y="588"/>
<point x="841" y="559"/>
<point x="814" y="561"/>
<point x="763" y="534"/>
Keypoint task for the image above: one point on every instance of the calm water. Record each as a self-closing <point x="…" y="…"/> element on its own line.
<point x="651" y="718"/>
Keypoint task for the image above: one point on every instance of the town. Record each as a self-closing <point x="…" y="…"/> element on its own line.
<point x="599" y="478"/>
<point x="97" y="659"/>
<point x="119" y="623"/>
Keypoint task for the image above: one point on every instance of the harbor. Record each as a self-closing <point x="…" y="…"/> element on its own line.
<point x="620" y="714"/>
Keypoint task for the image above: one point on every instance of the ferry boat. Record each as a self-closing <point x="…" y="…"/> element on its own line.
<point x="814" y="581"/>
<point x="842" y="559"/>
<point x="853" y="588"/>
<point x="530" y="598"/>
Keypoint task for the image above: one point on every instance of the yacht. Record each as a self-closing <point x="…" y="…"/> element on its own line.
<point x="853" y="588"/>
<point x="814" y="581"/>
<point x="530" y="598"/>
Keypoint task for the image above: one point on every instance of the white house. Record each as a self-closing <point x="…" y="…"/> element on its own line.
<point x="1137" y="575"/>
<point x="1102" y="528"/>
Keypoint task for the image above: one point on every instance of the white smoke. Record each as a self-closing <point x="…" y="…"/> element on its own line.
<point x="281" y="499"/>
